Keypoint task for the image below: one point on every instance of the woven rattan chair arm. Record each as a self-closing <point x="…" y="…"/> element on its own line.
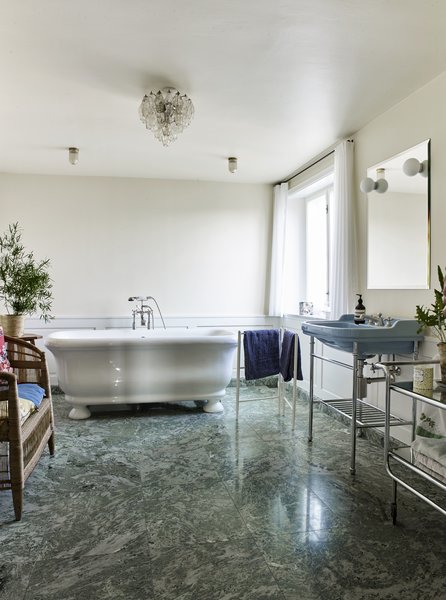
<point x="7" y="376"/>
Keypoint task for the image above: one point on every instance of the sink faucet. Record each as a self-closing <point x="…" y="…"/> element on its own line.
<point x="144" y="312"/>
<point x="376" y="320"/>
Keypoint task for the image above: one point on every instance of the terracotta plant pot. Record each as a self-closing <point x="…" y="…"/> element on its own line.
<point x="14" y="325"/>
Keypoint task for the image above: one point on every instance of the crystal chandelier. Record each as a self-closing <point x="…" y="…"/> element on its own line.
<point x="166" y="113"/>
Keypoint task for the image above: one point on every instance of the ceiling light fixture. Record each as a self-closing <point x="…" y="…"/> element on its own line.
<point x="412" y="166"/>
<point x="73" y="155"/>
<point x="381" y="185"/>
<point x="232" y="164"/>
<point x="166" y="113"/>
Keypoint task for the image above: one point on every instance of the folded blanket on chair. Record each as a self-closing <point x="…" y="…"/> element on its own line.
<point x="287" y="357"/>
<point x="261" y="353"/>
<point x="31" y="391"/>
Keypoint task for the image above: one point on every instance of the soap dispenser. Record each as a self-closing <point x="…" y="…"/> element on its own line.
<point x="359" y="311"/>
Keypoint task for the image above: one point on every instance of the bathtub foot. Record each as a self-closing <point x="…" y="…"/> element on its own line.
<point x="213" y="406"/>
<point x="79" y="412"/>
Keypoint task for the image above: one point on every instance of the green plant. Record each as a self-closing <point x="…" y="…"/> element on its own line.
<point x="434" y="316"/>
<point x="25" y="284"/>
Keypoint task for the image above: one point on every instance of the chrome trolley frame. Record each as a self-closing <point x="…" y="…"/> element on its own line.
<point x="405" y="388"/>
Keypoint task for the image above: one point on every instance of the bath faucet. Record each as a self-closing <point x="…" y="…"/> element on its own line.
<point x="144" y="312"/>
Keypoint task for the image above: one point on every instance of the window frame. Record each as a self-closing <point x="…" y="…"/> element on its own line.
<point x="315" y="186"/>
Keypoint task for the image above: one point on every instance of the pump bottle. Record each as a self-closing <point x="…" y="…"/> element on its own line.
<point x="359" y="311"/>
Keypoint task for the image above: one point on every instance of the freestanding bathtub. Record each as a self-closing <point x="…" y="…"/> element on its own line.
<point x="97" y="367"/>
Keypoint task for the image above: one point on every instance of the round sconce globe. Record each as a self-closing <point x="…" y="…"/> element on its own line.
<point x="367" y="185"/>
<point x="411" y="167"/>
<point x="381" y="186"/>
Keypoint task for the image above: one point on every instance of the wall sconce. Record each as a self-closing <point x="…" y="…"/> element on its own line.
<point x="380" y="186"/>
<point x="73" y="155"/>
<point x="232" y="164"/>
<point x="412" y="166"/>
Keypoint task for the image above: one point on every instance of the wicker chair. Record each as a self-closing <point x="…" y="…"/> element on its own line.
<point x="22" y="444"/>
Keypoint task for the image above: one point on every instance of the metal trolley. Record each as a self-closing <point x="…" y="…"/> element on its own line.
<point x="393" y="454"/>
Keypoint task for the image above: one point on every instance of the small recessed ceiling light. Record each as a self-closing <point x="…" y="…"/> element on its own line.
<point x="73" y="155"/>
<point x="232" y="164"/>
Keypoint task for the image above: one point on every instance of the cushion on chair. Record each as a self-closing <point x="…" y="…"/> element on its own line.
<point x="26" y="408"/>
<point x="31" y="391"/>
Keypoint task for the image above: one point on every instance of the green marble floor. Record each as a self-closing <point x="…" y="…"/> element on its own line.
<point x="176" y="504"/>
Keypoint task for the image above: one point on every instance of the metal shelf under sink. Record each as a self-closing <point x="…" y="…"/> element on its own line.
<point x="367" y="415"/>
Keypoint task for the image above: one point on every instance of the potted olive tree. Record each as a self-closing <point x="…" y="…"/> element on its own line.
<point x="25" y="284"/>
<point x="434" y="319"/>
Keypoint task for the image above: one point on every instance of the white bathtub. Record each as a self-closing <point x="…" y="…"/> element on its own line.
<point x="97" y="367"/>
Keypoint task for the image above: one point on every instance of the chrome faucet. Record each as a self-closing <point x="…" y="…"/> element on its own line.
<point x="144" y="312"/>
<point x="376" y="320"/>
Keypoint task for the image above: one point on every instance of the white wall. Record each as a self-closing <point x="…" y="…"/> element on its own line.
<point x="199" y="248"/>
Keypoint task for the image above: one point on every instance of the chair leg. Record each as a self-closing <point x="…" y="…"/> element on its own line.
<point x="51" y="444"/>
<point x="17" y="500"/>
<point x="17" y="477"/>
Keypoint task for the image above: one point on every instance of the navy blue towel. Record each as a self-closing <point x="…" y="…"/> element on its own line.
<point x="262" y="350"/>
<point x="287" y="357"/>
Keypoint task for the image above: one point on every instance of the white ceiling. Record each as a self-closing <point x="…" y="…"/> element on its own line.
<point x="273" y="82"/>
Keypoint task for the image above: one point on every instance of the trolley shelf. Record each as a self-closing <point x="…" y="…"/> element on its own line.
<point x="393" y="455"/>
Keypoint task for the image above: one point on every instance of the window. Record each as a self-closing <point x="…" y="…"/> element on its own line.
<point x="307" y="243"/>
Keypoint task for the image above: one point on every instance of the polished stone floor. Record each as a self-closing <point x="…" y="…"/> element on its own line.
<point x="177" y="504"/>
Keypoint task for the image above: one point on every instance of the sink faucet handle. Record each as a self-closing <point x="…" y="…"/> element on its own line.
<point x="389" y="321"/>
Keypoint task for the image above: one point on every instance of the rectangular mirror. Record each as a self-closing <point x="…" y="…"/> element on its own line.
<point x="398" y="226"/>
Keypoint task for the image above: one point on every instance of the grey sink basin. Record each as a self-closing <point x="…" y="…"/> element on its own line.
<point x="398" y="338"/>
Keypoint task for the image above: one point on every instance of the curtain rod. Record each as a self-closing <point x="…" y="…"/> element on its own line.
<point x="307" y="167"/>
<point x="328" y="153"/>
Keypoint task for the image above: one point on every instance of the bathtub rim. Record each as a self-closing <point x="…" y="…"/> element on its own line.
<point x="102" y="338"/>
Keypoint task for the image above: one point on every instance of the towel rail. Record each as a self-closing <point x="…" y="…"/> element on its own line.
<point x="280" y="396"/>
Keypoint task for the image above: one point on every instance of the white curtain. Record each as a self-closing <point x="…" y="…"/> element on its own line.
<point x="343" y="249"/>
<point x="278" y="250"/>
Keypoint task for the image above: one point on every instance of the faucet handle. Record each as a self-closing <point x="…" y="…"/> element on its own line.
<point x="389" y="321"/>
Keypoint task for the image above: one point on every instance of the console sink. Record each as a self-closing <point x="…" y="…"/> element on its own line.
<point x="398" y="338"/>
